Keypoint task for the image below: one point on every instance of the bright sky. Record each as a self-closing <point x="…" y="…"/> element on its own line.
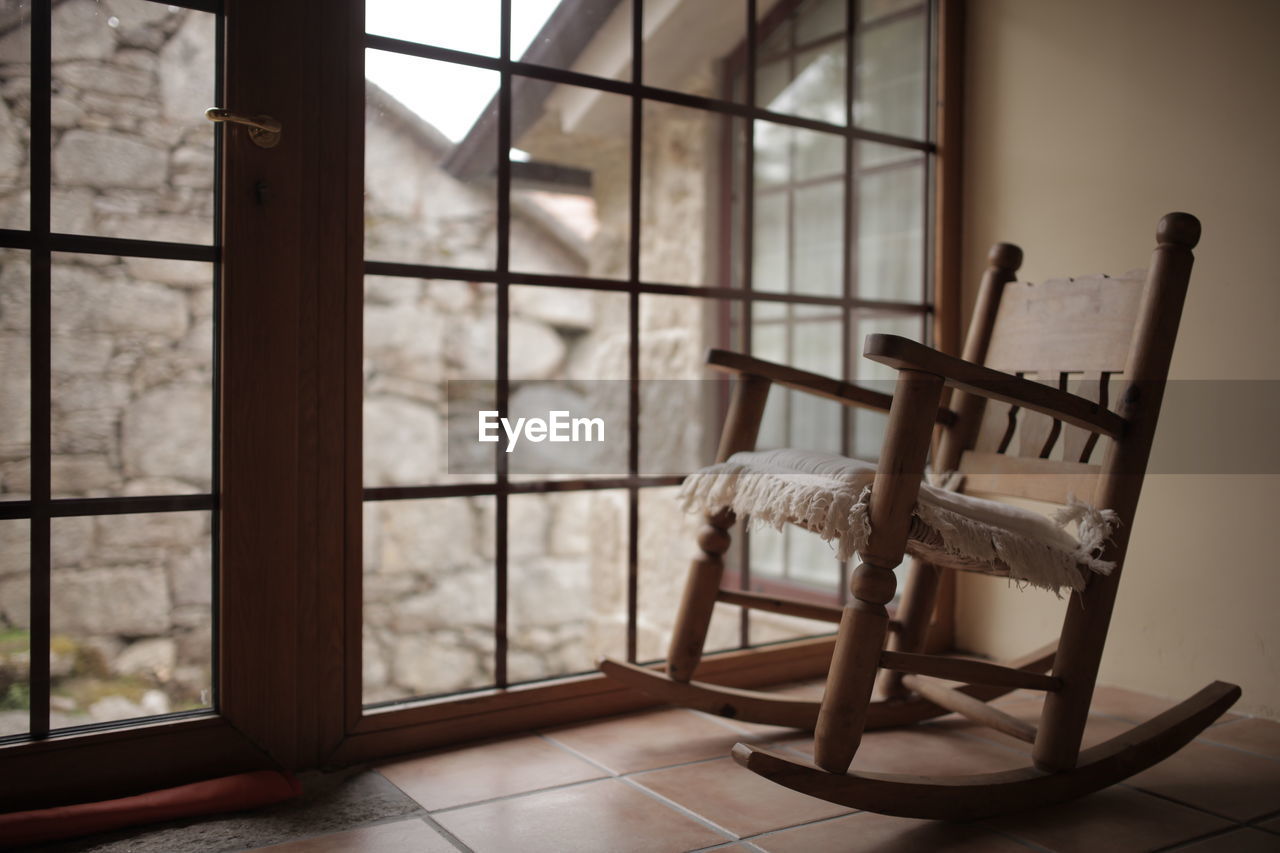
<point x="449" y="96"/>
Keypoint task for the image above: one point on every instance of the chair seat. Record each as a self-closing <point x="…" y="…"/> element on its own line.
<point x="830" y="496"/>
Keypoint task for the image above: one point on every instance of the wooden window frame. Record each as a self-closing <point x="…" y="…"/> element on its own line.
<point x="289" y="605"/>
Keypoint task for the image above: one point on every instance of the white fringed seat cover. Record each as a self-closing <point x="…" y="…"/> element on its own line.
<point x="830" y="495"/>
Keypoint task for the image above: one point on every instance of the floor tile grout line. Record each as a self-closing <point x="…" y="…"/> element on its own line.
<point x="1017" y="839"/>
<point x="1239" y="749"/>
<point x="1266" y="817"/>
<point x="1192" y="806"/>
<point x="518" y="795"/>
<point x="620" y="774"/>
<point x="457" y="842"/>
<point x="667" y="801"/>
<point x="814" y="822"/>
<point x="578" y="754"/>
<point x="1196" y="839"/>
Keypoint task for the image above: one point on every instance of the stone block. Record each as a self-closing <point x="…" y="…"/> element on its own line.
<point x="403" y="442"/>
<point x="171" y="229"/>
<point x="15" y="601"/>
<point x="81" y="354"/>
<point x="13" y="152"/>
<point x="86" y="158"/>
<point x="128" y="601"/>
<point x="195" y="275"/>
<point x="154" y="657"/>
<point x="429" y="663"/>
<point x="404" y="340"/>
<point x="192" y="166"/>
<point x="535" y="350"/>
<point x="72" y="210"/>
<point x="550" y="592"/>
<point x="180" y="531"/>
<point x="15" y="395"/>
<point x="191" y="576"/>
<point x="431" y="538"/>
<point x="86" y="474"/>
<point x="80" y="31"/>
<point x="74" y="539"/>
<point x="15" y="50"/>
<point x="560" y="307"/>
<point x="186" y="69"/>
<point x="142" y="306"/>
<point x="166" y="433"/>
<point x="113" y="78"/>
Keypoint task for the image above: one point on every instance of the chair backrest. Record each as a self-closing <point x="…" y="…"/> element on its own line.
<point x="1081" y="335"/>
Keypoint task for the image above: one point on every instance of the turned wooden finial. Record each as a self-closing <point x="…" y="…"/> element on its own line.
<point x="1182" y="229"/>
<point x="1005" y="256"/>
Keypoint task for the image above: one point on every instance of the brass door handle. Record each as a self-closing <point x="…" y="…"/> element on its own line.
<point x="263" y="130"/>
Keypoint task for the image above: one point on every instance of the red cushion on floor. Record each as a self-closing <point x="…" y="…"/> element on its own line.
<point x="227" y="794"/>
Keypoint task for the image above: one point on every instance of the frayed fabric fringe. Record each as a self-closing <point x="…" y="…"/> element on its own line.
<point x="836" y="506"/>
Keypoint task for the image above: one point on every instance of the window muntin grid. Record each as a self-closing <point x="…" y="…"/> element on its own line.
<point x="636" y="273"/>
<point x="65" y="225"/>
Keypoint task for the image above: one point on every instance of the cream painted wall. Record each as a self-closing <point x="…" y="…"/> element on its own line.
<point x="1087" y="121"/>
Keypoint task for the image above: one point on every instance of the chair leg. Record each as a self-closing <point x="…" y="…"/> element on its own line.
<point x="700" y="589"/>
<point x="1066" y="711"/>
<point x="865" y="620"/>
<point x="741" y="426"/>
<point x="854" y="667"/>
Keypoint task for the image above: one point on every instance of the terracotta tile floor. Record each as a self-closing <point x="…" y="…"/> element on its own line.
<point x="661" y="781"/>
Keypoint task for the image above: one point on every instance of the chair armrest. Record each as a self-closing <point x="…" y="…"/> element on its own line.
<point x="845" y="393"/>
<point x="903" y="353"/>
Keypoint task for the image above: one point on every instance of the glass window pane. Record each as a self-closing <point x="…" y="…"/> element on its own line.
<point x="429" y="191"/>
<point x="891" y="70"/>
<point x="870" y="10"/>
<point x="683" y="43"/>
<point x="132" y="151"/>
<point x="589" y="37"/>
<point x="15" y="374"/>
<point x="132" y="373"/>
<point x="568" y="351"/>
<point x="15" y="625"/>
<point x="420" y="338"/>
<point x="681" y="402"/>
<point x="798" y="239"/>
<point x="682" y="195"/>
<point x="475" y="28"/>
<point x="578" y="141"/>
<point x="818" y="264"/>
<point x="567" y="558"/>
<point x="890" y="225"/>
<point x="807" y="566"/>
<point x="428" y="597"/>
<point x="15" y="118"/>
<point x="667" y="535"/>
<point x="770" y="246"/>
<point x="820" y="19"/>
<point x="867" y="426"/>
<point x="801" y="70"/>
<point x="131" y="616"/>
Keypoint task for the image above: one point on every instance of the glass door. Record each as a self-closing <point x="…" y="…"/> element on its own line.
<point x="109" y="306"/>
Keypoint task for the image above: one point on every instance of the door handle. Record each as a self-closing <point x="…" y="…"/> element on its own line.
<point x="264" y="131"/>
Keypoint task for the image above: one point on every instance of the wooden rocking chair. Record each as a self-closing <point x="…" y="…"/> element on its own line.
<point x="1089" y="329"/>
